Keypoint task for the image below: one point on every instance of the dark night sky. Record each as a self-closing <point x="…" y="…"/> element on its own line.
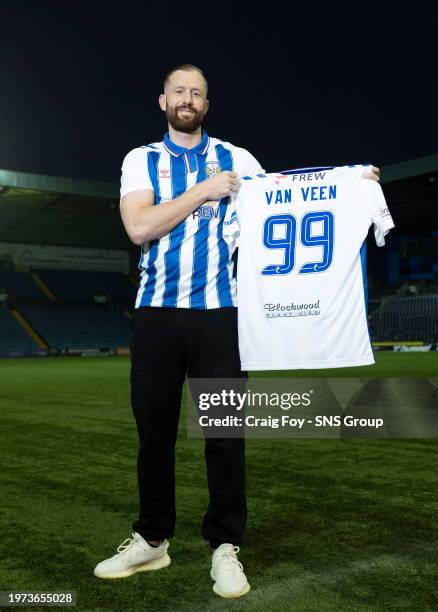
<point x="297" y="86"/>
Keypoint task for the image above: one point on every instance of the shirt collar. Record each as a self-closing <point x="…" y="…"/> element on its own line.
<point x="176" y="150"/>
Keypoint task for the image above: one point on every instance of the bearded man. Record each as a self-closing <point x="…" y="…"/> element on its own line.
<point x="174" y="196"/>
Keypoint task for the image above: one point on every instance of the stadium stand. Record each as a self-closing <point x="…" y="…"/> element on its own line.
<point x="13" y="338"/>
<point x="89" y="313"/>
<point x="406" y="318"/>
<point x="19" y="286"/>
<point x="75" y="327"/>
<point x="74" y="286"/>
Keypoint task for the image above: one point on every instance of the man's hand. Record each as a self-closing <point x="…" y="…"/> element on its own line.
<point x="145" y="222"/>
<point x="220" y="185"/>
<point x="373" y="174"/>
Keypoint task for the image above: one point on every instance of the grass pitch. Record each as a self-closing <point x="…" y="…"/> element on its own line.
<point x="342" y="525"/>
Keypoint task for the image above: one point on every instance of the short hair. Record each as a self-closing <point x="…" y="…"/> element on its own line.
<point x="187" y="68"/>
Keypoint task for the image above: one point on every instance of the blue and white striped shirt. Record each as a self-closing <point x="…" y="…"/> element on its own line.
<point x="192" y="266"/>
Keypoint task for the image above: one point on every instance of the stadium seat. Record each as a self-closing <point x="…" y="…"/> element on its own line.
<point x="20" y="286"/>
<point x="78" y="327"/>
<point x="72" y="286"/>
<point x="12" y="336"/>
<point x="407" y="318"/>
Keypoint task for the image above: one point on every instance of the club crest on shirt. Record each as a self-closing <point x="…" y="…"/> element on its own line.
<point x="212" y="168"/>
<point x="164" y="173"/>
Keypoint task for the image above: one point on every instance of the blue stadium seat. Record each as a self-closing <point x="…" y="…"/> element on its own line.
<point x="408" y="318"/>
<point x="74" y="286"/>
<point x="78" y="327"/>
<point x="12" y="336"/>
<point x="20" y="286"/>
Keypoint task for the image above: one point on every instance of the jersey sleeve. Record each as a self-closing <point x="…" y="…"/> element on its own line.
<point x="135" y="173"/>
<point x="376" y="209"/>
<point x="245" y="163"/>
<point x="231" y="227"/>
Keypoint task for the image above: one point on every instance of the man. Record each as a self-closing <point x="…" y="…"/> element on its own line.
<point x="173" y="201"/>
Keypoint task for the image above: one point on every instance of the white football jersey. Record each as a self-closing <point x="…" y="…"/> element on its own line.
<point x="301" y="273"/>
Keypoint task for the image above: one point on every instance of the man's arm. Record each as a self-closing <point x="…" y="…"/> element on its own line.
<point x="144" y="222"/>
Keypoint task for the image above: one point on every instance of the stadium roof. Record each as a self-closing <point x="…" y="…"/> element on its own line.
<point x="408" y="169"/>
<point x="49" y="210"/>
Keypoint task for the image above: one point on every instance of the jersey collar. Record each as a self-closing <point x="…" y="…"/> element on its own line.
<point x="176" y="150"/>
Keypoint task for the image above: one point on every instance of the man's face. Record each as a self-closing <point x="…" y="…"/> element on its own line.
<point x="185" y="100"/>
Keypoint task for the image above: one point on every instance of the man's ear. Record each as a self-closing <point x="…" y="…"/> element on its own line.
<point x="207" y="106"/>
<point x="162" y="101"/>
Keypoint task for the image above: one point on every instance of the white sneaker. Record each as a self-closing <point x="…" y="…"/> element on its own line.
<point x="227" y="572"/>
<point x="133" y="555"/>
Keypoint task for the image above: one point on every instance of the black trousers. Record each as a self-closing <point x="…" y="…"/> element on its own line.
<point x="166" y="345"/>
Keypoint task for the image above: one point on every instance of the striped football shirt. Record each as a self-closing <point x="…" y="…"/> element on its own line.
<point x="192" y="266"/>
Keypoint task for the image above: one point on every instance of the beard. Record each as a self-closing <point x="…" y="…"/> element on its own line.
<point x="184" y="123"/>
